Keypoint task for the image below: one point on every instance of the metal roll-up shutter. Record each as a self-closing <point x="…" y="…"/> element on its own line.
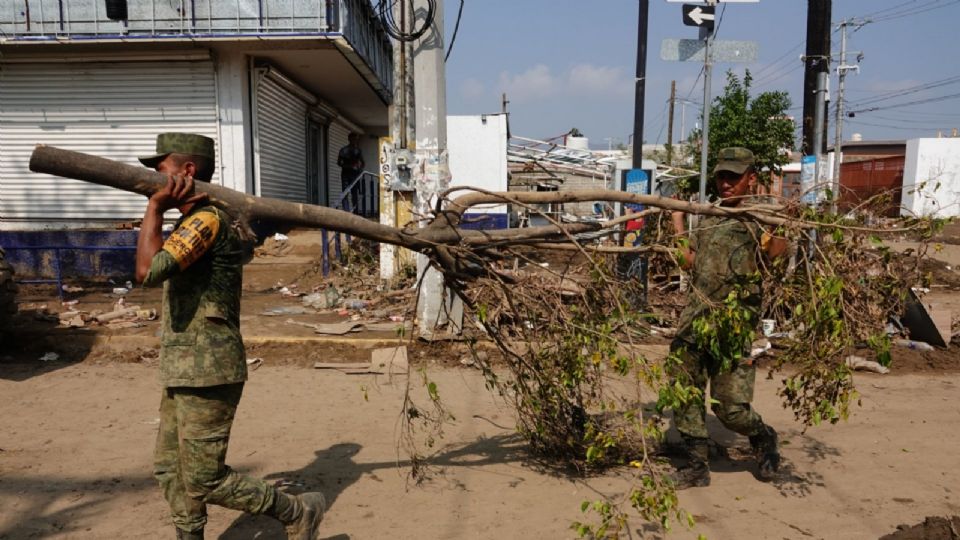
<point x="113" y="110"/>
<point x="338" y="136"/>
<point x="281" y="141"/>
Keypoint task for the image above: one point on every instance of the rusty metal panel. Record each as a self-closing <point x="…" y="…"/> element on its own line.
<point x="880" y="179"/>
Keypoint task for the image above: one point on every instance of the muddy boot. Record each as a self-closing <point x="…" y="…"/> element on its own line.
<point x="306" y="526"/>
<point x="184" y="535"/>
<point x="696" y="473"/>
<point x="767" y="450"/>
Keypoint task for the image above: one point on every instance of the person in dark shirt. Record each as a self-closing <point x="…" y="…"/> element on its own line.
<point x="350" y="160"/>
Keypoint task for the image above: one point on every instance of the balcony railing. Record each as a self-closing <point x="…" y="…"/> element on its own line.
<point x="84" y="20"/>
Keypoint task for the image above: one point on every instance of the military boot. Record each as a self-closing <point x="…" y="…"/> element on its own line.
<point x="767" y="450"/>
<point x="184" y="535"/>
<point x="696" y="473"/>
<point x="306" y="526"/>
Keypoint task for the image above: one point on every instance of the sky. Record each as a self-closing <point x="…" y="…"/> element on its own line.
<point x="572" y="63"/>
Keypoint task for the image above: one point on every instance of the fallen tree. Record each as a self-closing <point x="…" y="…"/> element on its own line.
<point x="571" y="337"/>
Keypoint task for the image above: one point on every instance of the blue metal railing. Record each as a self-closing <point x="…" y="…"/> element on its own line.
<point x="365" y="190"/>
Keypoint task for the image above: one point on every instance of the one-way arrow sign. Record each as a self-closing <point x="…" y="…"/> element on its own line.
<point x="700" y="16"/>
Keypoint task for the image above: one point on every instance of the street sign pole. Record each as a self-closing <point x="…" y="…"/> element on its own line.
<point x="705" y="132"/>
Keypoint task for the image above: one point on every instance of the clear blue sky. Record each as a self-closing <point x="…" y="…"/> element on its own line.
<point x="566" y="63"/>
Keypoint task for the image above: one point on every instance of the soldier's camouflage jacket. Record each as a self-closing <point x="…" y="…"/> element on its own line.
<point x="726" y="256"/>
<point x="201" y="268"/>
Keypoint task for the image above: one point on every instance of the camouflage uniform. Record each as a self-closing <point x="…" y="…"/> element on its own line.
<point x="203" y="369"/>
<point x="726" y="256"/>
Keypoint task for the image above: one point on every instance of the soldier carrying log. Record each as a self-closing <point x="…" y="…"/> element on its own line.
<point x="202" y="359"/>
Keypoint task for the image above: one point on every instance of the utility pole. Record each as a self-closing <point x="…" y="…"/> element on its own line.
<point x="818" y="127"/>
<point x="431" y="172"/>
<point x="673" y="98"/>
<point x="641" y="86"/>
<point x="707" y="36"/>
<point x="842" y="70"/>
<point x="816" y="60"/>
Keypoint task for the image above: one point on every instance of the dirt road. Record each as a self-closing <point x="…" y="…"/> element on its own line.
<point x="76" y="446"/>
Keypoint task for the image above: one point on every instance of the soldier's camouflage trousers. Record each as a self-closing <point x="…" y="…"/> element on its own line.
<point x="732" y="392"/>
<point x="189" y="459"/>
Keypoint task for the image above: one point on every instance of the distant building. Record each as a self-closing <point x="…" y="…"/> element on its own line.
<point x="916" y="177"/>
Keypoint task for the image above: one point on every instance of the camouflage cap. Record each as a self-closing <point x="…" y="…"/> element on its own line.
<point x="180" y="143"/>
<point x="735" y="159"/>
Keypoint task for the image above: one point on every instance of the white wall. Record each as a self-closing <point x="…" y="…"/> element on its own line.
<point x="931" y="178"/>
<point x="233" y="106"/>
<point x="478" y="155"/>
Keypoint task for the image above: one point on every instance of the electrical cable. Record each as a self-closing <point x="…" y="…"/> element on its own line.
<point x="907" y="104"/>
<point x="914" y="11"/>
<point x="384" y="9"/>
<point x="909" y="90"/>
<point x="456" y="28"/>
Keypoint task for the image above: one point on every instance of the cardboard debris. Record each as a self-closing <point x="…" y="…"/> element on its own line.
<point x="334" y="329"/>
<point x="130" y="311"/>
<point x="387" y="361"/>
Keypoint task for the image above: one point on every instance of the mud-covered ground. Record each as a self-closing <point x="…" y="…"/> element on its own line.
<point x="76" y="434"/>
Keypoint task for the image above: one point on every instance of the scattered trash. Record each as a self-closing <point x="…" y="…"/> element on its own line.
<point x="335" y="329"/>
<point x="126" y="312"/>
<point x="279" y="237"/>
<point x="121" y="290"/>
<point x="388" y="326"/>
<point x="288" y="292"/>
<point x="768" y="325"/>
<point x="119" y="325"/>
<point x="397" y="318"/>
<point x="327" y="299"/>
<point x="915" y="345"/>
<point x="388" y="361"/>
<point x="254" y="363"/>
<point x="146" y="314"/>
<point x="355" y="303"/>
<point x="760" y="348"/>
<point x="71" y="289"/>
<point x="72" y="319"/>
<point x="120" y="304"/>
<point x="286" y="310"/>
<point x="128" y="285"/>
<point x="69" y="303"/>
<point x="861" y="363"/>
<point x="50" y="357"/>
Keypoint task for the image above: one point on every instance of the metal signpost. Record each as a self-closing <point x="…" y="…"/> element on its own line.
<point x="708" y="51"/>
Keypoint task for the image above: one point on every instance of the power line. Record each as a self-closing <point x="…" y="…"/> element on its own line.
<point x="915" y="11"/>
<point x="888" y="126"/>
<point x="910" y="90"/>
<point x="909" y="103"/>
<point x="456" y="28"/>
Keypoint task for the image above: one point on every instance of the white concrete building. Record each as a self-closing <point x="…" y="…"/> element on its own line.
<point x="931" y="178"/>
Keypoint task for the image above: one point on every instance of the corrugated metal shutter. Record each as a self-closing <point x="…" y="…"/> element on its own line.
<point x="114" y="110"/>
<point x="338" y="137"/>
<point x="282" y="142"/>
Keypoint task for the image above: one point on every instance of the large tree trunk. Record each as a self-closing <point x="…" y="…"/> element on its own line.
<point x="441" y="233"/>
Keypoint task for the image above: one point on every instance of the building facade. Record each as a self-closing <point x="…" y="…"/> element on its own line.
<point x="278" y="84"/>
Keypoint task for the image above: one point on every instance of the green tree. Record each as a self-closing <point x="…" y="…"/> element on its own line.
<point x="760" y="124"/>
